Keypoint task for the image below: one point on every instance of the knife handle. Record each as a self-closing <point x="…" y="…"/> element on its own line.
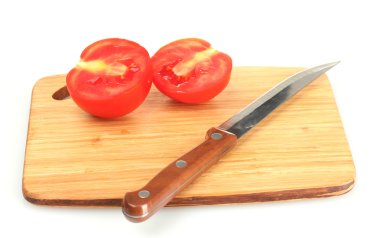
<point x="143" y="203"/>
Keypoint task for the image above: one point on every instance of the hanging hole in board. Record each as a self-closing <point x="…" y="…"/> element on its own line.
<point x="61" y="94"/>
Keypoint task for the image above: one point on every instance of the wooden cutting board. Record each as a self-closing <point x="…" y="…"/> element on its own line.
<point x="299" y="151"/>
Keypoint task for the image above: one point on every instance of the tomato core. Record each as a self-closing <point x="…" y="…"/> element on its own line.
<point x="168" y="74"/>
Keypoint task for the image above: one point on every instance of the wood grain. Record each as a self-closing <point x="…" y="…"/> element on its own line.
<point x="299" y="151"/>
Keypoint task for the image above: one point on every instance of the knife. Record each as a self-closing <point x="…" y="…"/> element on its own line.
<point x="139" y="205"/>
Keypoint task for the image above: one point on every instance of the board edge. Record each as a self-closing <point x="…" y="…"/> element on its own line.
<point x="283" y="195"/>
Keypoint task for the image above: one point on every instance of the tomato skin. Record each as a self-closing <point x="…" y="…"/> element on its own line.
<point x="112" y="79"/>
<point x="190" y="71"/>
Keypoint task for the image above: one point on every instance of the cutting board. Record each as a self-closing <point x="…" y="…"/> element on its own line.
<point x="299" y="151"/>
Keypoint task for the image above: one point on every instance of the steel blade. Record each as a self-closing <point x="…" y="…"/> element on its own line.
<point x="252" y="114"/>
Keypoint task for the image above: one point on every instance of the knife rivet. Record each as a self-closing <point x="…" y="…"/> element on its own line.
<point x="144" y="194"/>
<point x="216" y="136"/>
<point x="181" y="164"/>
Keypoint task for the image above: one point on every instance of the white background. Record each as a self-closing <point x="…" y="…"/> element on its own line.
<point x="40" y="38"/>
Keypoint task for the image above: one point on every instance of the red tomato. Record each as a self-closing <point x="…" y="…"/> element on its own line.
<point x="112" y="78"/>
<point x="190" y="71"/>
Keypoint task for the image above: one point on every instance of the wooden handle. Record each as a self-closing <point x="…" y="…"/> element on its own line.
<point x="143" y="203"/>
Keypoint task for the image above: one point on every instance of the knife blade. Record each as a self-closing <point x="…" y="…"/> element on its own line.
<point x="139" y="205"/>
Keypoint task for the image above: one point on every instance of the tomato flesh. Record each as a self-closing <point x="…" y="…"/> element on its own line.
<point x="190" y="71"/>
<point x="112" y="78"/>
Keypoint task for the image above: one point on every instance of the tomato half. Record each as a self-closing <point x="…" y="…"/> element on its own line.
<point x="112" y="78"/>
<point x="190" y="71"/>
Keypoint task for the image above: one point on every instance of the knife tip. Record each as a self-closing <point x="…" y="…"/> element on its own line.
<point x="332" y="64"/>
<point x="325" y="67"/>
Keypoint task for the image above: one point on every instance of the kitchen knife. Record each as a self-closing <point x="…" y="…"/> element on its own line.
<point x="143" y="203"/>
